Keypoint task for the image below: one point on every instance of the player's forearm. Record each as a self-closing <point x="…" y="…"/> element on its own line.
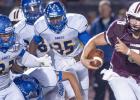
<point x="88" y="47"/>
<point x="92" y="43"/>
<point x="74" y="83"/>
<point x="32" y="47"/>
<point x="16" y="68"/>
<point x="135" y="56"/>
<point x="30" y="60"/>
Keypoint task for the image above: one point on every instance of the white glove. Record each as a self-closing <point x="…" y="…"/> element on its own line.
<point x="108" y="74"/>
<point x="45" y="61"/>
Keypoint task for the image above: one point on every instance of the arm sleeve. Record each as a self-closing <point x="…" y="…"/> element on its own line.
<point x="37" y="39"/>
<point x="84" y="37"/>
<point x="29" y="60"/>
<point x="60" y="75"/>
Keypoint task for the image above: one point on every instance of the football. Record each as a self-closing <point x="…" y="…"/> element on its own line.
<point x="97" y="55"/>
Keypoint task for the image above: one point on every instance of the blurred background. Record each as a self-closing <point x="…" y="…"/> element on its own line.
<point x="99" y="13"/>
<point x="86" y="7"/>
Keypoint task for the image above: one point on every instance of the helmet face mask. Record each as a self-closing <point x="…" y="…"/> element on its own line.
<point x="55" y="21"/>
<point x="133" y="17"/>
<point x="134" y="23"/>
<point x="7" y="40"/>
<point x="55" y="15"/>
<point x="7" y="35"/>
<point x="32" y="10"/>
<point x="30" y="87"/>
<point x="33" y="95"/>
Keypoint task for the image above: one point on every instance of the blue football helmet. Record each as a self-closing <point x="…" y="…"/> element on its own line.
<point x="32" y="10"/>
<point x="55" y="15"/>
<point x="7" y="35"/>
<point x="30" y="87"/>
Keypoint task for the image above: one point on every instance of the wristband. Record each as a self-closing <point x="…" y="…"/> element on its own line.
<point x="128" y="52"/>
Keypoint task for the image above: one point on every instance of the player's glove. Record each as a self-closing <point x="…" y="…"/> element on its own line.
<point x="45" y="61"/>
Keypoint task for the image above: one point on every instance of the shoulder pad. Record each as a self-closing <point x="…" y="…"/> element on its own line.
<point x="77" y="21"/>
<point x="19" y="26"/>
<point x="40" y="25"/>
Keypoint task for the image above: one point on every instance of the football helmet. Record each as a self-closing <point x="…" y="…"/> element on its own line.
<point x="55" y="15"/>
<point x="16" y="15"/>
<point x="133" y="17"/>
<point x="32" y="10"/>
<point x="30" y="87"/>
<point x="7" y="35"/>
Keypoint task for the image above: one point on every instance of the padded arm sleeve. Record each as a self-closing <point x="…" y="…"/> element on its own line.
<point x="30" y="60"/>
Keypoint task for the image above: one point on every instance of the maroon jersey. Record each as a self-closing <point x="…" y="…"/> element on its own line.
<point x="122" y="64"/>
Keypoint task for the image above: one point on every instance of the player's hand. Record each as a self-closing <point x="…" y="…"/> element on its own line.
<point x="121" y="47"/>
<point x="87" y="63"/>
<point x="45" y="61"/>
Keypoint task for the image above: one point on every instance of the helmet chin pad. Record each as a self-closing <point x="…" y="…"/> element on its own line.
<point x="134" y="29"/>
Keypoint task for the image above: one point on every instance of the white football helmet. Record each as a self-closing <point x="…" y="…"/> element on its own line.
<point x="16" y="15"/>
<point x="134" y="10"/>
<point x="133" y="17"/>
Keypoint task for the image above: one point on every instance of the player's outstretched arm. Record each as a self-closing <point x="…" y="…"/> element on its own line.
<point x="74" y="83"/>
<point x="92" y="43"/>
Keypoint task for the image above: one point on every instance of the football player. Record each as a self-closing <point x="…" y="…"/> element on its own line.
<point x="66" y="34"/>
<point x="33" y="90"/>
<point x="29" y="12"/>
<point x="11" y="48"/>
<point x="124" y="73"/>
<point x="32" y="10"/>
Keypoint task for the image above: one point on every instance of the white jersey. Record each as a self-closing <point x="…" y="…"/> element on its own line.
<point x="26" y="32"/>
<point x="6" y="60"/>
<point x="66" y="43"/>
<point x="66" y="46"/>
